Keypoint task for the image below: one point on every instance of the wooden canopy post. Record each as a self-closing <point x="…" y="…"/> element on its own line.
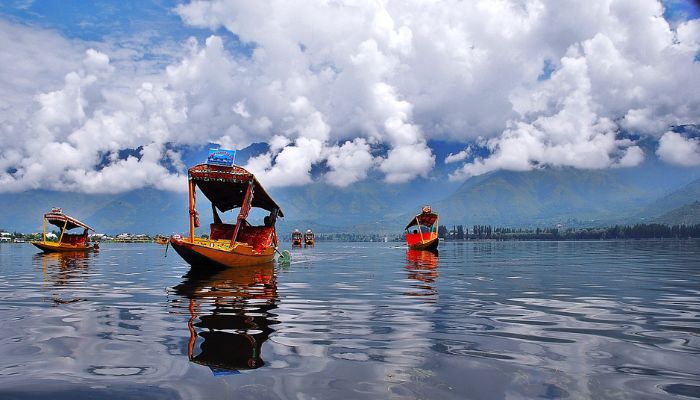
<point x="419" y="231"/>
<point x="437" y="226"/>
<point x="44" y="228"/>
<point x="192" y="210"/>
<point x="65" y="223"/>
<point x="243" y="214"/>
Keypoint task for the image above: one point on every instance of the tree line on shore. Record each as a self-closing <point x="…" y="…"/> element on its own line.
<point x="489" y="232"/>
<point x="637" y="231"/>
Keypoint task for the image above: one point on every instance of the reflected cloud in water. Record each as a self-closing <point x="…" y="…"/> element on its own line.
<point x="357" y="320"/>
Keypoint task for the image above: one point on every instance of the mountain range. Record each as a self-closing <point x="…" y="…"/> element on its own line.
<point x="652" y="192"/>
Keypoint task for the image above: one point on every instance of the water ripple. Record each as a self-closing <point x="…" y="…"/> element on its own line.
<point x="485" y="319"/>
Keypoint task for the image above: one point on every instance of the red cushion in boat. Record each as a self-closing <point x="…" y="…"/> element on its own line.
<point x="221" y="231"/>
<point x="258" y="237"/>
<point x="74" y="239"/>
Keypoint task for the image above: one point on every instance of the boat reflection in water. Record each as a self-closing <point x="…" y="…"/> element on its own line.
<point x="422" y="267"/>
<point x="230" y="316"/>
<point x="62" y="272"/>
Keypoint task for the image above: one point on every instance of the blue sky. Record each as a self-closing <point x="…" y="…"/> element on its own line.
<point x="342" y="92"/>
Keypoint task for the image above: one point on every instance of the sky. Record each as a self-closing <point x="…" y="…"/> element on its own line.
<point x="108" y="97"/>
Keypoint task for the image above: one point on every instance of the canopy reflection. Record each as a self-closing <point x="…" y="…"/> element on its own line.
<point x="230" y="316"/>
<point x="421" y="266"/>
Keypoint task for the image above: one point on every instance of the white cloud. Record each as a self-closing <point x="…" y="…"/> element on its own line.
<point x="459" y="156"/>
<point x="292" y="165"/>
<point x="334" y="83"/>
<point x="406" y="161"/>
<point x="677" y="149"/>
<point x="349" y="162"/>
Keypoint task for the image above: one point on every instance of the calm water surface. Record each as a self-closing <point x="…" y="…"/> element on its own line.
<point x="357" y="321"/>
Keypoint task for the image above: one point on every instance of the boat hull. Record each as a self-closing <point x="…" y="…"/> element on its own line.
<point x="53" y="247"/>
<point x="201" y="255"/>
<point x="431" y="244"/>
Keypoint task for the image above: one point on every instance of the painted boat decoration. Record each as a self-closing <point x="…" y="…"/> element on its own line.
<point x="229" y="245"/>
<point x="297" y="238"/>
<point x="421" y="232"/>
<point x="309" y="238"/>
<point x="67" y="242"/>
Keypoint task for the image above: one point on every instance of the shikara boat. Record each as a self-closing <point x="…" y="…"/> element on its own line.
<point x="229" y="245"/>
<point x="421" y="232"/>
<point x="309" y="238"/>
<point x="297" y="238"/>
<point x="67" y="242"/>
<point x="161" y="240"/>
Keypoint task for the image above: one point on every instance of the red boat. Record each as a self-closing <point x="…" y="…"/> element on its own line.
<point x="421" y="232"/>
<point x="67" y="242"/>
<point x="229" y="245"/>
<point x="296" y="238"/>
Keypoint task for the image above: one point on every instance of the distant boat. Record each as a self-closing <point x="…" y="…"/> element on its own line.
<point x="421" y="232"/>
<point x="229" y="245"/>
<point x="297" y="238"/>
<point x="309" y="238"/>
<point x="161" y="240"/>
<point x="66" y="241"/>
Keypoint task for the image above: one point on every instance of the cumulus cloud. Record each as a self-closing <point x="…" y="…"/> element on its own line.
<point x="459" y="156"/>
<point x="352" y="87"/>
<point x="677" y="149"/>
<point x="349" y="162"/>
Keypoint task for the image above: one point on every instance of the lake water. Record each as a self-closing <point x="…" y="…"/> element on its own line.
<point x="483" y="320"/>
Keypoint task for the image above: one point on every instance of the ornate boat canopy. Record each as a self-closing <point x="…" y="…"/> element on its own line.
<point x="226" y="187"/>
<point x="424" y="218"/>
<point x="58" y="218"/>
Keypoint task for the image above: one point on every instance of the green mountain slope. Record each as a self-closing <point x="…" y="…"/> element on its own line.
<point x="506" y="198"/>
<point x="688" y="214"/>
<point x="544" y="197"/>
<point x="688" y="194"/>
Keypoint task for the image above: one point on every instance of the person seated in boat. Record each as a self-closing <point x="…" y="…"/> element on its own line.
<point x="269" y="221"/>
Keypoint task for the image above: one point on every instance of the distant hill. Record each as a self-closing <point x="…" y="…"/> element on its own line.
<point x="550" y="196"/>
<point x="139" y="211"/>
<point x="23" y="211"/>
<point x="688" y="214"/>
<point x="686" y="195"/>
<point x="542" y="197"/>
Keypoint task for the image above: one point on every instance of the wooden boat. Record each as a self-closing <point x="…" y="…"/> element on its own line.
<point x="296" y="238"/>
<point x="229" y="245"/>
<point x="421" y="232"/>
<point x="67" y="242"/>
<point x="309" y="238"/>
<point x="161" y="240"/>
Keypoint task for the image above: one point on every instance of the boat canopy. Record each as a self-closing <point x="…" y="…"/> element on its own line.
<point x="226" y="187"/>
<point x="425" y="219"/>
<point x="58" y="218"/>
